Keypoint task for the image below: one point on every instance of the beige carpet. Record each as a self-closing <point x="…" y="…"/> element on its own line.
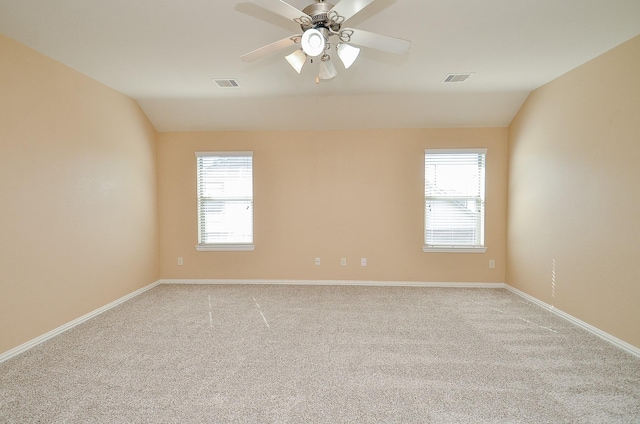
<point x="322" y="354"/>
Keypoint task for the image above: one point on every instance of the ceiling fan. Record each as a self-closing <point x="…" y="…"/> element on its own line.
<point x="323" y="33"/>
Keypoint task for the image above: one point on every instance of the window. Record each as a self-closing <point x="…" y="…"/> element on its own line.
<point x="225" y="200"/>
<point x="454" y="200"/>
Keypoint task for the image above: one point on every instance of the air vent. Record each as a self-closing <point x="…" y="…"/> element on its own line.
<point x="457" y="77"/>
<point x="227" y="83"/>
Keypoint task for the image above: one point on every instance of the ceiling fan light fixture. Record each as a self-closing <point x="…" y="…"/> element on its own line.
<point x="321" y="23"/>
<point x="347" y="54"/>
<point x="313" y="42"/>
<point x="327" y="70"/>
<point x="297" y="60"/>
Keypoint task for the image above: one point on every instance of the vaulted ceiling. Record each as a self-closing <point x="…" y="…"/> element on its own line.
<point x="166" y="53"/>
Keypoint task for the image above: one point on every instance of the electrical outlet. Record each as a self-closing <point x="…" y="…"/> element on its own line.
<point x="343" y="261"/>
<point x="180" y="261"/>
<point x="492" y="263"/>
<point x="363" y="261"/>
<point x="317" y="261"/>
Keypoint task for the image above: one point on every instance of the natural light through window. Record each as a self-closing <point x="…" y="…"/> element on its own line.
<point x="454" y="200"/>
<point x="225" y="200"/>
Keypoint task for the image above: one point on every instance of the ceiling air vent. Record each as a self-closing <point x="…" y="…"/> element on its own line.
<point x="227" y="83"/>
<point x="457" y="77"/>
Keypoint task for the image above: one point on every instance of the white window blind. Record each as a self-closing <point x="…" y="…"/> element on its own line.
<point x="454" y="199"/>
<point x="225" y="200"/>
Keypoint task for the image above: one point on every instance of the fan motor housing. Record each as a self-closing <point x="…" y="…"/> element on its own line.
<point x="319" y="13"/>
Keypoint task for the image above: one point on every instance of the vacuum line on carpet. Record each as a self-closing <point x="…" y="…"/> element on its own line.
<point x="210" y="312"/>
<point x="265" y="320"/>
<point x="261" y="314"/>
<point x="541" y="326"/>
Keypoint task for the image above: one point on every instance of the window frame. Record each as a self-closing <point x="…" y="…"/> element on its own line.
<point x="222" y="246"/>
<point x="479" y="248"/>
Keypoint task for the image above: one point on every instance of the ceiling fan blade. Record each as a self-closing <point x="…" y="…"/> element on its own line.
<point x="271" y="48"/>
<point x="347" y="8"/>
<point x="375" y="41"/>
<point x="283" y="8"/>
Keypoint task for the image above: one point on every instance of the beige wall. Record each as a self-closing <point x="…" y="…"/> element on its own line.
<point x="78" y="215"/>
<point x="574" y="194"/>
<point x="81" y="225"/>
<point x="330" y="194"/>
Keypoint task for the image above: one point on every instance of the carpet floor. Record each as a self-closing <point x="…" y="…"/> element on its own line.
<point x="322" y="354"/>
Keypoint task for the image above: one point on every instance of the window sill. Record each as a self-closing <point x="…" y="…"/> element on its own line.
<point x="454" y="249"/>
<point x="225" y="247"/>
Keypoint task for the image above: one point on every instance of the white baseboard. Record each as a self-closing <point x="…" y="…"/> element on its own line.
<point x="590" y="328"/>
<point x="336" y="283"/>
<point x="603" y="335"/>
<point x="40" y="339"/>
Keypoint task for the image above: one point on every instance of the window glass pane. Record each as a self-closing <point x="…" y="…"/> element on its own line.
<point x="454" y="198"/>
<point x="225" y="199"/>
<point x="226" y="176"/>
<point x="452" y="222"/>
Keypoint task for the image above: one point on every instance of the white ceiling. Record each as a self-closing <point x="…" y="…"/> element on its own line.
<point x="165" y="53"/>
